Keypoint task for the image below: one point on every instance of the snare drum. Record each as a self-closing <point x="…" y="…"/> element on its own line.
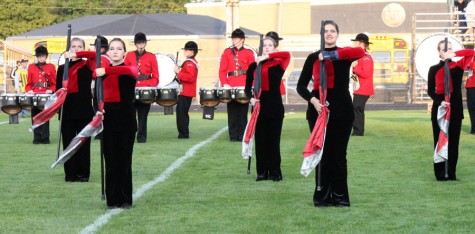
<point x="240" y="96"/>
<point x="146" y="95"/>
<point x="39" y="100"/>
<point x="10" y="104"/>
<point x="209" y="97"/>
<point x="167" y="96"/>
<point x="225" y="95"/>
<point x="26" y="101"/>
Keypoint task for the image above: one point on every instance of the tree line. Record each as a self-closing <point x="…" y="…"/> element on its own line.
<point x="20" y="16"/>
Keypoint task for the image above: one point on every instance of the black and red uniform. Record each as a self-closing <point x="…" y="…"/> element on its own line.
<point x="435" y="89"/>
<point x="271" y="115"/>
<point x="148" y="77"/>
<point x="41" y="77"/>
<point x="364" y="70"/>
<point x="188" y="76"/>
<point x="120" y="125"/>
<point x="76" y="114"/>
<point x="232" y="71"/>
<point x="333" y="164"/>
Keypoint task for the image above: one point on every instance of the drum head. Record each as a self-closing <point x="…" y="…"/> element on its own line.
<point x="166" y="70"/>
<point x="427" y="54"/>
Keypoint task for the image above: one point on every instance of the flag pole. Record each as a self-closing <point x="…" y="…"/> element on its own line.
<point x="65" y="77"/>
<point x="323" y="89"/>
<point x="100" y="104"/>
<point x="447" y="98"/>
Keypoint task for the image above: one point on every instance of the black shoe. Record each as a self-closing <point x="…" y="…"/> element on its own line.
<point x="126" y="205"/>
<point x="183" y="137"/>
<point x="141" y="141"/>
<point x="234" y="140"/>
<point x="112" y="207"/>
<point x="36" y="142"/>
<point x="321" y="204"/>
<point x="45" y="141"/>
<point x="275" y="179"/>
<point x="356" y="134"/>
<point x="261" y="178"/>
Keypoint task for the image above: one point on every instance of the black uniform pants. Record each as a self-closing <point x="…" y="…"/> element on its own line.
<point x="471" y="108"/>
<point x="267" y="137"/>
<point x="359" y="102"/>
<point x="237" y="119"/>
<point x="41" y="133"/>
<point x="77" y="168"/>
<point x="453" y="151"/>
<point x="142" y="115"/>
<point x="332" y="171"/>
<point x="182" y="116"/>
<point x="118" y="149"/>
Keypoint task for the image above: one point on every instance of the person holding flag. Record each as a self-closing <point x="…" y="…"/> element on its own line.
<point x="331" y="175"/>
<point x="77" y="112"/>
<point x="445" y="158"/>
<point x="268" y="113"/>
<point x="120" y="125"/>
<point x="41" y="79"/>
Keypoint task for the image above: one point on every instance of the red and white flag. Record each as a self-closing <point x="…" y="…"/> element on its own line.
<point x="248" y="140"/>
<point x="52" y="106"/>
<point x="91" y="130"/>
<point x="313" y="150"/>
<point x="442" y="147"/>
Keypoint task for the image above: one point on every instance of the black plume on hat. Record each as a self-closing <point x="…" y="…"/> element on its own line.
<point x="191" y="45"/>
<point x="363" y="38"/>
<point x="238" y="33"/>
<point x="41" y="50"/>
<point x="140" y="37"/>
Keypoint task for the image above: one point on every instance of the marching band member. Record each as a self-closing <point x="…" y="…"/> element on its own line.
<point x="435" y="89"/>
<point x="187" y="75"/>
<point x="363" y="69"/>
<point x="333" y="174"/>
<point x="147" y="64"/>
<point x="271" y="115"/>
<point x="41" y="79"/>
<point x="120" y="125"/>
<point x="77" y="112"/>
<point x="470" y="88"/>
<point x="234" y="63"/>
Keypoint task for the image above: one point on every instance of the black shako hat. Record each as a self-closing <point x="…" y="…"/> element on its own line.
<point x="41" y="50"/>
<point x="104" y="42"/>
<point x="23" y="60"/>
<point x="140" y="37"/>
<point x="362" y="37"/>
<point x="238" y="33"/>
<point x="274" y="36"/>
<point x="191" y="45"/>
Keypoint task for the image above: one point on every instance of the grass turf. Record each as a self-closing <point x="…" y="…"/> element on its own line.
<point x="391" y="183"/>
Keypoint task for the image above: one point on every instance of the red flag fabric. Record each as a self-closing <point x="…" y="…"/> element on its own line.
<point x="54" y="102"/>
<point x="91" y="130"/>
<point x="248" y="140"/>
<point x="442" y="147"/>
<point x="313" y="150"/>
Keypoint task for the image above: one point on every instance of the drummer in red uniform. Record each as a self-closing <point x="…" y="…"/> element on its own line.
<point x="147" y="64"/>
<point x="187" y="75"/>
<point x="41" y="80"/>
<point x="235" y="61"/>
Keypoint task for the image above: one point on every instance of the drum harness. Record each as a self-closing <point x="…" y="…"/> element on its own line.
<point x="42" y="84"/>
<point x="240" y="71"/>
<point x="141" y="76"/>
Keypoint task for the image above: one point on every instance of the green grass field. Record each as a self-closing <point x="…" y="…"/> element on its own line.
<point x="391" y="183"/>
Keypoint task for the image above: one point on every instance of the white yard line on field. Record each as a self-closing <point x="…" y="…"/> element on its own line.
<point x="3" y="122"/>
<point x="103" y="219"/>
